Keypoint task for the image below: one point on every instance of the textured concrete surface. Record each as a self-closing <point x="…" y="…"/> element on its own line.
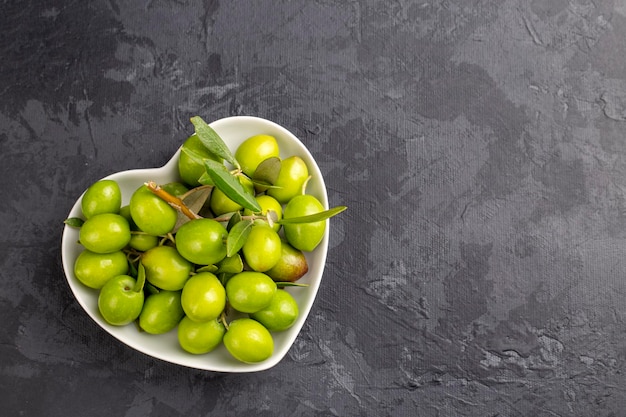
<point x="479" y="145"/>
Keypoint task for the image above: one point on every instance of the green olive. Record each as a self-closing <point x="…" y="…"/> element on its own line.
<point x="200" y="337"/>
<point x="248" y="341"/>
<point x="202" y="241"/>
<point x="103" y="196"/>
<point x="165" y="268"/>
<point x="125" y="213"/>
<point x="261" y="249"/>
<point x="143" y="242"/>
<point x="204" y="297"/>
<point x="291" y="266"/>
<point x="291" y="178"/>
<point x="255" y="150"/>
<point x="151" y="213"/>
<point x="118" y="302"/>
<point x="176" y="189"/>
<point x="95" y="269"/>
<point x="250" y="291"/>
<point x="105" y="233"/>
<point x="161" y="312"/>
<point x="280" y="314"/>
<point x="304" y="236"/>
<point x="189" y="169"/>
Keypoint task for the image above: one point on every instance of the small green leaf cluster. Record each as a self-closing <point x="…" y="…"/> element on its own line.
<point x="210" y="256"/>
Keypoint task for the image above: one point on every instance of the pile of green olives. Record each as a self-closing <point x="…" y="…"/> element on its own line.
<point x="216" y="271"/>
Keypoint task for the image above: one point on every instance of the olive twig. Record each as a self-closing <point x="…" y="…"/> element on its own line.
<point x="252" y="217"/>
<point x="173" y="201"/>
<point x="223" y="218"/>
<point x="133" y="256"/>
<point x="166" y="238"/>
<point x="305" y="183"/>
<point x="223" y="319"/>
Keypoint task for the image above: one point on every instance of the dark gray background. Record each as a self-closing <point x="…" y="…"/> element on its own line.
<point x="479" y="145"/>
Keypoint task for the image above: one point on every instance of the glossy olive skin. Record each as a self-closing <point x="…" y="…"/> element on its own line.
<point x="304" y="236"/>
<point x="103" y="196"/>
<point x="202" y="241"/>
<point x="203" y="297"/>
<point x="255" y="150"/>
<point x="291" y="266"/>
<point x="248" y="341"/>
<point x="200" y="337"/>
<point x="262" y="247"/>
<point x="165" y="268"/>
<point x="118" y="303"/>
<point x="161" y="312"/>
<point x="105" y="233"/>
<point x="125" y="213"/>
<point x="152" y="214"/>
<point x="291" y="178"/>
<point x="281" y="313"/>
<point x="176" y="189"/>
<point x="250" y="291"/>
<point x="190" y="170"/>
<point x="95" y="269"/>
<point x="221" y="204"/>
<point x="143" y="242"/>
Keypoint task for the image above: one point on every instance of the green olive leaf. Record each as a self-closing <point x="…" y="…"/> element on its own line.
<point x="237" y="237"/>
<point x="266" y="173"/>
<point x="74" y="222"/>
<point x="212" y="141"/>
<point x="263" y="185"/>
<point x="197" y="197"/>
<point x="208" y="268"/>
<point x="281" y="284"/>
<point x="268" y="170"/>
<point x="230" y="264"/>
<point x="234" y="219"/>
<point x="141" y="279"/>
<point x="194" y="155"/>
<point x="180" y="220"/>
<point x="132" y="270"/>
<point x="230" y="185"/>
<point x="317" y="217"/>
<point x="194" y="199"/>
<point x="205" y="179"/>
<point x="224" y="277"/>
<point x="151" y="289"/>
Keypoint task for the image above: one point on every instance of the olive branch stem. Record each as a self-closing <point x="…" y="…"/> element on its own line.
<point x="223" y="319"/>
<point x="173" y="201"/>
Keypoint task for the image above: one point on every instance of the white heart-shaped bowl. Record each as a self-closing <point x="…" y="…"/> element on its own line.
<point x="233" y="130"/>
